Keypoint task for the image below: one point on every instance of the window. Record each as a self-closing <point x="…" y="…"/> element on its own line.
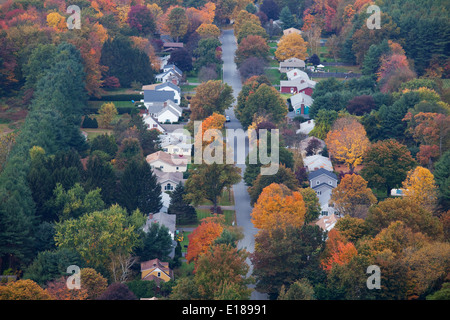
<point x="168" y="187"/>
<point x="319" y="193"/>
<point x="159" y="274"/>
<point x="330" y="182"/>
<point x="317" y="182"/>
<point x="178" y="168"/>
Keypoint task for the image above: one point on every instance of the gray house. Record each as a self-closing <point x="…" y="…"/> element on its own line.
<point x="323" y="182"/>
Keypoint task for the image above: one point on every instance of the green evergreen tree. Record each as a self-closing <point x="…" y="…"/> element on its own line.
<point x="186" y="213"/>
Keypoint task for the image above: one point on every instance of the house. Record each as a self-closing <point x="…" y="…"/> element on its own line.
<point x="291" y="30"/>
<point x="152" y="96"/>
<point x="291" y="63"/>
<point x="167" y="162"/>
<point x="297" y="85"/>
<point x="316" y="162"/>
<point x="168" y="76"/>
<point x="152" y="123"/>
<point x="173" y="67"/>
<point x="323" y="181"/>
<point x="168" y="180"/>
<point x="156" y="270"/>
<point x="163" y="219"/>
<point x="306" y="127"/>
<point x="176" y="144"/>
<point x="170" y="46"/>
<point x="164" y="111"/>
<point x="297" y="74"/>
<point x="166" y="86"/>
<point x="301" y="103"/>
<point x="326" y="223"/>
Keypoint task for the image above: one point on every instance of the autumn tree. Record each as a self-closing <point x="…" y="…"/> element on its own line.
<point x="414" y="216"/>
<point x="278" y="206"/>
<point x="23" y="290"/>
<point x="201" y="238"/>
<point x="58" y="290"/>
<point x="253" y="46"/>
<point x="352" y="197"/>
<point x="212" y="96"/>
<point x="141" y="19"/>
<point x="177" y="23"/>
<point x="107" y="112"/>
<point x="283" y="176"/>
<point x="347" y="142"/>
<point x="208" y="30"/>
<point x="420" y="187"/>
<point x="221" y="274"/>
<point x="386" y="164"/>
<point x="291" y="46"/>
<point x="93" y="282"/>
<point x="250" y="28"/>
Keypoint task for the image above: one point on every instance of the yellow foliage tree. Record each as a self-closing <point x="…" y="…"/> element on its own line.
<point x="291" y="46"/>
<point x="107" y="113"/>
<point x="278" y="206"/>
<point x="57" y="21"/>
<point x="421" y="188"/>
<point x="208" y="30"/>
<point x="352" y="196"/>
<point x="347" y="141"/>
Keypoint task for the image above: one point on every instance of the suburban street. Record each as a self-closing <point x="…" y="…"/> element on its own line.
<point x="242" y="199"/>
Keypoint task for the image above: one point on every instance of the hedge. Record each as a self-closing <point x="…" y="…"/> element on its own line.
<point x="119" y="97"/>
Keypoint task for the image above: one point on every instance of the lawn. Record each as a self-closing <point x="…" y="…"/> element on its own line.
<point x="230" y="215"/>
<point x="185" y="241"/>
<point x="273" y="75"/>
<point x="92" y="133"/>
<point x="118" y="104"/>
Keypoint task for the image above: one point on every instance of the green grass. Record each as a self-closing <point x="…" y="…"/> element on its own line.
<point x="185" y="241"/>
<point x="188" y="88"/>
<point x="92" y="133"/>
<point x="273" y="75"/>
<point x="118" y="104"/>
<point x="229" y="215"/>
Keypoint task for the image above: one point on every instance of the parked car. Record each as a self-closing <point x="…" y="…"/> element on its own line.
<point x="227" y="118"/>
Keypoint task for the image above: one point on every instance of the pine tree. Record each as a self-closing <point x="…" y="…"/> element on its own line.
<point x="186" y="213"/>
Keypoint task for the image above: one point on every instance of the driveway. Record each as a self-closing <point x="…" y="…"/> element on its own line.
<point x="241" y="197"/>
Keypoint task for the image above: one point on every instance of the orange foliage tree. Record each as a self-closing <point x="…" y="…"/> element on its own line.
<point x="202" y="237"/>
<point x="23" y="290"/>
<point x="339" y="251"/>
<point x="347" y="141"/>
<point x="278" y="206"/>
<point x="58" y="290"/>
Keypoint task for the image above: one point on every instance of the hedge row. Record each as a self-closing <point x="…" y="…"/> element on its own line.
<point x="119" y="97"/>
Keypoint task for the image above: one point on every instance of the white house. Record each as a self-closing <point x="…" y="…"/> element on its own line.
<point x="323" y="182"/>
<point x="152" y="123"/>
<point x="168" y="180"/>
<point x="175" y="144"/>
<point x="306" y="127"/>
<point x="169" y="113"/>
<point x="297" y="74"/>
<point x="167" y="86"/>
<point x="167" y="162"/>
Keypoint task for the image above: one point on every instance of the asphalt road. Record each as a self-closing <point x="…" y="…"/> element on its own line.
<point x="242" y="199"/>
